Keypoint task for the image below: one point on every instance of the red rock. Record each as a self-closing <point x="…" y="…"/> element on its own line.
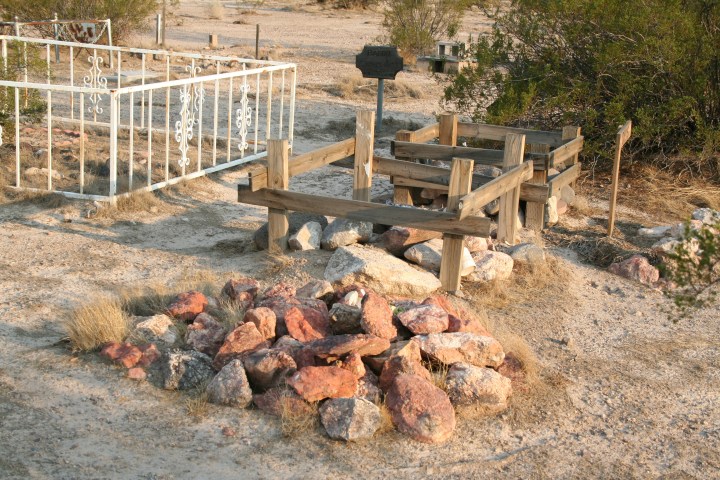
<point x="317" y="383"/>
<point x="305" y="358"/>
<point x="425" y="319"/>
<point x="466" y="325"/>
<point x="150" y="353"/>
<point x="268" y="368"/>
<point x="368" y="387"/>
<point x="188" y="305"/>
<point x="239" y="343"/>
<point x="420" y="409"/>
<point x="352" y="363"/>
<point x="288" y="345"/>
<point x="377" y="317"/>
<point x="281" y="401"/>
<point x="279" y="306"/>
<point x="636" y="268"/>
<point x="376" y="362"/>
<point x="126" y="354"/>
<point x="513" y="369"/>
<point x="306" y="324"/>
<point x="405" y="361"/>
<point x="336" y="346"/>
<point x="205" y="335"/>
<point x="264" y="319"/>
<point x="136" y="373"/>
<point x="235" y="287"/>
<point x="444" y="303"/>
<point x="280" y="290"/>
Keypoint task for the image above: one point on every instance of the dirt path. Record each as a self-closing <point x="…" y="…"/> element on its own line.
<point x="632" y="395"/>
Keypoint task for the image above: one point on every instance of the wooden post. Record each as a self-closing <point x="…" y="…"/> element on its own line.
<point x="278" y="178"/>
<point x="364" y="149"/>
<point x="402" y="195"/>
<point x="510" y="201"/>
<point x="453" y="245"/>
<point x="213" y="40"/>
<point x="535" y="211"/>
<point x="448" y="129"/>
<point x="622" y="137"/>
<point x="568" y="133"/>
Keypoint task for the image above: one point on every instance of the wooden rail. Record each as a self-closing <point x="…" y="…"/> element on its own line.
<point x="495" y="132"/>
<point x="478" y="198"/>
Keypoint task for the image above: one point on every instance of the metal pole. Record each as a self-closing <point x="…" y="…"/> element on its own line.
<point x="158" y="28"/>
<point x="109" y="34"/>
<point x="380" y="98"/>
<point x="57" y="37"/>
<point x="257" y="41"/>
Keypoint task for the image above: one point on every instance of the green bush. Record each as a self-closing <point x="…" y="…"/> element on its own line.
<point x="597" y="63"/>
<point x="126" y="15"/>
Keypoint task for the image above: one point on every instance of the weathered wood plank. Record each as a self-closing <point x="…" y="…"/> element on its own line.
<point x="535" y="211"/>
<point x="567" y="176"/>
<point x="366" y="211"/>
<point x="452" y="251"/>
<point x="477" y="199"/>
<point x="510" y="201"/>
<point x="425" y="134"/>
<point x="364" y="146"/>
<point x="402" y="195"/>
<point x="448" y="129"/>
<point x="495" y="132"/>
<point x="623" y="135"/>
<point x="569" y="151"/>
<point x="447" y="153"/>
<point x="279" y="179"/>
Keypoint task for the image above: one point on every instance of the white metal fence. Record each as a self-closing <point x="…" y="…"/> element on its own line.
<point x="156" y="118"/>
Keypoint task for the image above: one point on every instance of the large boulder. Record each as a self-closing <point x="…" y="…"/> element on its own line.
<point x="491" y="265"/>
<point x="527" y="254"/>
<point x="377" y="317"/>
<point x="307" y="237"/>
<point x="468" y="384"/>
<point x="342" y="232"/>
<point x="183" y="370"/>
<point x="230" y="386"/>
<point x="268" y="368"/>
<point x="384" y="273"/>
<point x="425" y="319"/>
<point x="239" y="343"/>
<point x="420" y="409"/>
<point x="317" y="383"/>
<point x="205" y="335"/>
<point x="636" y="268"/>
<point x="295" y="220"/>
<point x="350" y="418"/>
<point x="449" y="348"/>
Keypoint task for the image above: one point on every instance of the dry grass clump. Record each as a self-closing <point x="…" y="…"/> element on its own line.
<point x="96" y="323"/>
<point x="386" y="423"/>
<point x="216" y="11"/>
<point x="229" y="313"/>
<point x="197" y="404"/>
<point x="137" y="202"/>
<point x="147" y="300"/>
<point x="356" y="86"/>
<point x="295" y="422"/>
<point x="439" y="373"/>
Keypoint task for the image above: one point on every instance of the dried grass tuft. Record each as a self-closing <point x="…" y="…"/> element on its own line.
<point x="356" y="86"/>
<point x="295" y="422"/>
<point x="197" y="405"/>
<point x="386" y="423"/>
<point x="216" y="11"/>
<point x="135" y="203"/>
<point x="100" y="321"/>
<point x="147" y="300"/>
<point x="439" y="373"/>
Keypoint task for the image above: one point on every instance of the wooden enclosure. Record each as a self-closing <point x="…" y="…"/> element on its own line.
<point x="556" y="150"/>
<point x="467" y="193"/>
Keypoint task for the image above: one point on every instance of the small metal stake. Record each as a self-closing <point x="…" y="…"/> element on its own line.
<point x="380" y="98"/>
<point x="257" y="41"/>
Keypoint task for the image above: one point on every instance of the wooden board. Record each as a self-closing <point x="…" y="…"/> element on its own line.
<point x="364" y="147"/>
<point x="568" y="152"/>
<point x="446" y="152"/>
<point x="402" y="195"/>
<point x="453" y="245"/>
<point x="535" y="211"/>
<point x="623" y="135"/>
<point x="510" y="201"/>
<point x="425" y="134"/>
<point x="495" y="132"/>
<point x="508" y="181"/>
<point x="568" y="176"/>
<point x="278" y="178"/>
<point x="528" y="191"/>
<point x="448" y="130"/>
<point x="366" y="211"/>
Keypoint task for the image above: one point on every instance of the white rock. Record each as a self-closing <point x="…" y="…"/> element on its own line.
<point x="678" y="231"/>
<point x="380" y="271"/>
<point x="491" y="266"/>
<point x="307" y="237"/>
<point x="567" y="193"/>
<point x="478" y="244"/>
<point x="527" y="253"/>
<point x="552" y="210"/>
<point x="342" y="232"/>
<point x="469" y="384"/>
<point x="156" y="329"/>
<point x="708" y="216"/>
<point x="655" y="232"/>
<point x="429" y="255"/>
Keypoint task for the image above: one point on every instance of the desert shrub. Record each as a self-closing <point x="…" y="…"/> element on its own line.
<point x="348" y="4"/>
<point x="415" y="25"/>
<point x="126" y="15"/>
<point x="597" y="63"/>
<point x="216" y="10"/>
<point x="694" y="267"/>
<point x="100" y="321"/>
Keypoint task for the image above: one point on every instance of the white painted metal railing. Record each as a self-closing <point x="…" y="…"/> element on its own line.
<point x="157" y="118"/>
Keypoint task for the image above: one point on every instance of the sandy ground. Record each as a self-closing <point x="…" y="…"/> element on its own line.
<point x="632" y="396"/>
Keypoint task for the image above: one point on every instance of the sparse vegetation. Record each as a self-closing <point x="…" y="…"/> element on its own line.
<point x="295" y="422"/>
<point x="355" y="86"/>
<point x="96" y="323"/>
<point x="216" y="10"/>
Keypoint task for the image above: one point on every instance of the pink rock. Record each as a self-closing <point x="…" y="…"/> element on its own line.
<point x="420" y="409"/>
<point x="468" y="384"/>
<point x="126" y="354"/>
<point x="317" y="383"/>
<point x="398" y="239"/>
<point x="336" y="346"/>
<point x="279" y="306"/>
<point x="150" y="354"/>
<point x="376" y="362"/>
<point x="425" y="319"/>
<point x="449" y="348"/>
<point x="188" y="305"/>
<point x="399" y="365"/>
<point x="368" y="387"/>
<point x="377" y="316"/>
<point x="306" y="324"/>
<point x="636" y="268"/>
<point x="466" y="325"/>
<point x="280" y="290"/>
<point x="264" y="319"/>
<point x="239" y="343"/>
<point x="512" y="368"/>
<point x="137" y="373"/>
<point x="205" y="335"/>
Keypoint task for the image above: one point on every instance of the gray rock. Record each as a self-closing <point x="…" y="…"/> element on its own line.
<point x="708" y="216"/>
<point x="527" y="254"/>
<point x="158" y="329"/>
<point x="380" y="271"/>
<point x="345" y="319"/>
<point x="678" y="230"/>
<point x="183" y="370"/>
<point x="488" y="170"/>
<point x="429" y="255"/>
<point x="449" y="348"/>
<point x="493" y="208"/>
<point x="567" y="194"/>
<point x="230" y="386"/>
<point x="295" y="220"/>
<point x="655" y="232"/>
<point x="551" y="208"/>
<point x="468" y="384"/>
<point x="350" y="418"/>
<point x="307" y="237"/>
<point x="478" y="244"/>
<point x="342" y="232"/>
<point x="491" y="265"/>
<point x="315" y="289"/>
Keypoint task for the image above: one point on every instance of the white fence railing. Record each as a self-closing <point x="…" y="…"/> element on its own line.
<point x="156" y="118"/>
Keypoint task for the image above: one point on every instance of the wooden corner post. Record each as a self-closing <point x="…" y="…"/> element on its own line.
<point x="448" y="129"/>
<point x="452" y="251"/>
<point x="402" y="195"/>
<point x="623" y="135"/>
<point x="278" y="179"/>
<point x="510" y="201"/>
<point x="535" y="211"/>
<point x="569" y="133"/>
<point x="364" y="149"/>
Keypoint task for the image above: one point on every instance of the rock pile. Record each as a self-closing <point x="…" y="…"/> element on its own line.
<point x="338" y="352"/>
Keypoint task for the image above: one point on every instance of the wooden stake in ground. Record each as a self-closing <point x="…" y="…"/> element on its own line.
<point x="622" y="137"/>
<point x="402" y="195"/>
<point x="510" y="201"/>
<point x="364" y="148"/>
<point x="278" y="179"/>
<point x="452" y="251"/>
